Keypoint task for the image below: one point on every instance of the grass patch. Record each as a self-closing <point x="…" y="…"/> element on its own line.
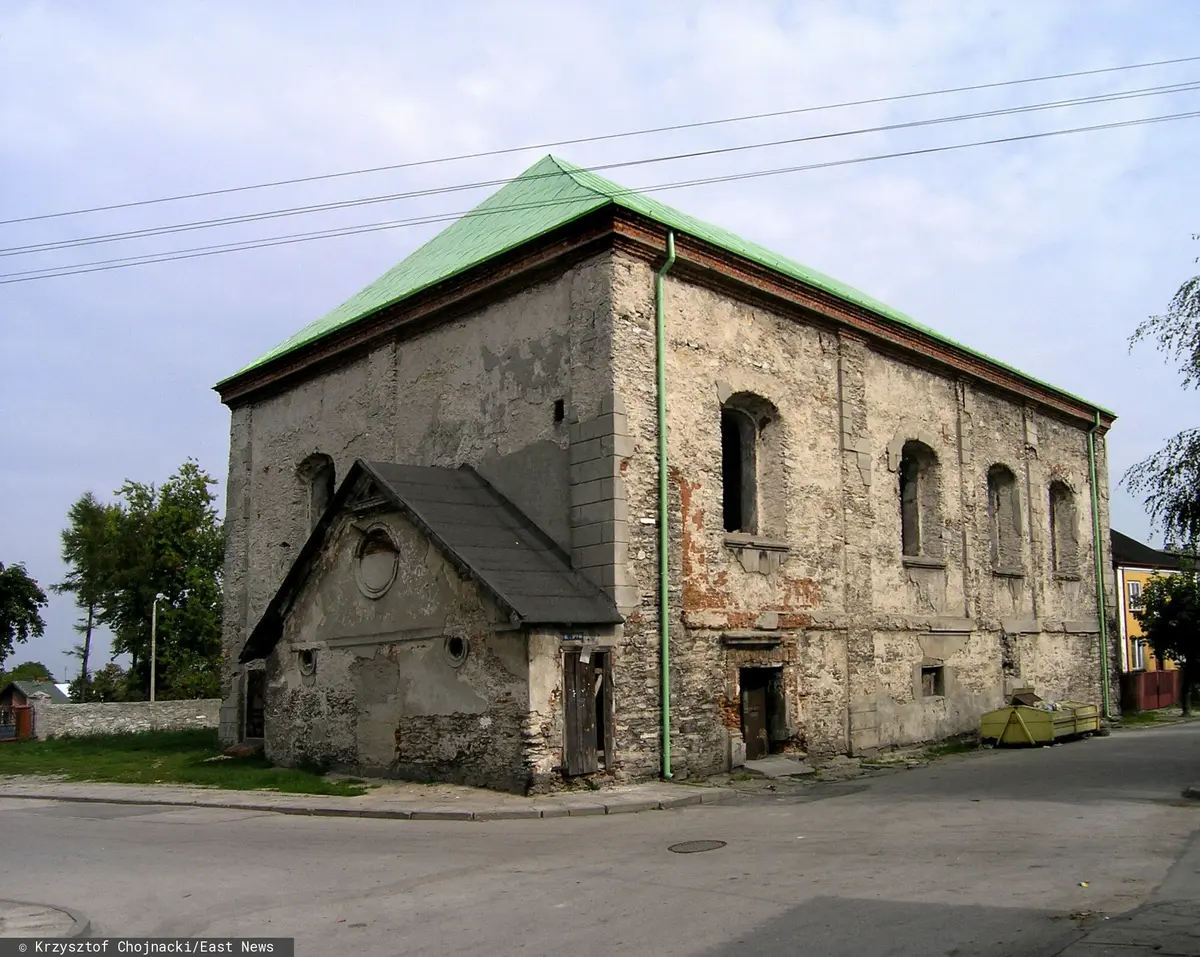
<point x="1132" y="718"/>
<point x="162" y="757"/>
<point x="950" y="747"/>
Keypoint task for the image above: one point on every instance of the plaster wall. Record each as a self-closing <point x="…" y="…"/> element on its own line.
<point x="823" y="584"/>
<point x="478" y="390"/>
<point x="384" y="694"/>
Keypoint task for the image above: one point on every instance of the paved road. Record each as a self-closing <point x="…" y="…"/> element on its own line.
<point x="979" y="855"/>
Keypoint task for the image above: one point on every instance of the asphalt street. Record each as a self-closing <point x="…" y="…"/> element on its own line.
<point x="998" y="853"/>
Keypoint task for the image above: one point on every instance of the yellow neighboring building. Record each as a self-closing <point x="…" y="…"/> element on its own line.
<point x="1135" y="565"/>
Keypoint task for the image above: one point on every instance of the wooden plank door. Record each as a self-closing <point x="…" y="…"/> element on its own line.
<point x="579" y="730"/>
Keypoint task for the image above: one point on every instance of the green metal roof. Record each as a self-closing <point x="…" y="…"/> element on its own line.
<point x="550" y="194"/>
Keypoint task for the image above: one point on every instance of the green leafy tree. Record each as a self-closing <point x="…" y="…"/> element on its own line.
<point x="21" y="601"/>
<point x="110" y="683"/>
<point x="1170" y="478"/>
<point x="87" y="550"/>
<point x="167" y="540"/>
<point x="27" y="671"/>
<point x="1170" y="620"/>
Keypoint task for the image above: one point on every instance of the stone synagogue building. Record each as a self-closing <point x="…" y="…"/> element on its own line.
<point x="587" y="487"/>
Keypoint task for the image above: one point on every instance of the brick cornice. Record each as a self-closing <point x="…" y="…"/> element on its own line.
<point x="697" y="261"/>
<point x="499" y="277"/>
<point x="718" y="269"/>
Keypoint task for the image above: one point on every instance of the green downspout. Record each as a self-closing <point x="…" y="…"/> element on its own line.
<point x="660" y="377"/>
<point x="1097" y="547"/>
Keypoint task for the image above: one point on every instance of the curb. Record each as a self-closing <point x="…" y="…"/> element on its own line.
<point x="408" y="814"/>
<point x="80" y="926"/>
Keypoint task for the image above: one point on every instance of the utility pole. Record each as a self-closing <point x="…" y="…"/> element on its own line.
<point x="153" y="640"/>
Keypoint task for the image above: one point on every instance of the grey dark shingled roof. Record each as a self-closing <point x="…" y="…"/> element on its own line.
<point x="476" y="528"/>
<point x="28" y="688"/>
<point x="1130" y="552"/>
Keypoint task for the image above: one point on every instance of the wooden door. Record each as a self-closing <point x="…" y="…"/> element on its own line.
<point x="754" y="720"/>
<point x="579" y="729"/>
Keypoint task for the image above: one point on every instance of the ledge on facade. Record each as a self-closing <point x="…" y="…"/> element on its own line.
<point x="1008" y="572"/>
<point x="755" y="554"/>
<point x="748" y="540"/>
<point x="750" y="639"/>
<point x="922" y="561"/>
<point x="1067" y="577"/>
<point x="952" y="625"/>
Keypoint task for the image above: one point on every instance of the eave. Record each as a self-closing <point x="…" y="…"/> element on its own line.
<point x="697" y="261"/>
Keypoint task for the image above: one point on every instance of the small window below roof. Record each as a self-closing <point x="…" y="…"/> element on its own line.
<point x="377" y="562"/>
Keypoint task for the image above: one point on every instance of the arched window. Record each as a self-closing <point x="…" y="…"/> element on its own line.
<point x="751" y="466"/>
<point x="739" y="470"/>
<point x="1004" y="517"/>
<point x="316" y="474"/>
<point x="919" y="500"/>
<point x="1064" y="541"/>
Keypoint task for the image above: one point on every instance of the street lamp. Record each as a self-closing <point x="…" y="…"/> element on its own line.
<point x="153" y="629"/>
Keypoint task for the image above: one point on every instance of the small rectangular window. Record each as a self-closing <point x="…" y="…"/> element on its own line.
<point x="933" y="681"/>
<point x="1135" y="596"/>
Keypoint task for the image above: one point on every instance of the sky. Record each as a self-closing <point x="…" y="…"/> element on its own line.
<point x="1045" y="253"/>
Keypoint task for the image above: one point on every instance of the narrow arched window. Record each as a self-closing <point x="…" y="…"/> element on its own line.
<point x="919" y="499"/>
<point x="753" y="493"/>
<point x="1064" y="541"/>
<point x="317" y="479"/>
<point x="1004" y="517"/>
<point x="739" y="470"/>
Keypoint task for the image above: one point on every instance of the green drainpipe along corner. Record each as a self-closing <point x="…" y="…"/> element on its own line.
<point x="1098" y="549"/>
<point x="660" y="383"/>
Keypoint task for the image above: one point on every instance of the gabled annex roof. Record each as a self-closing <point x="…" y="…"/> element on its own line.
<point x="29" y="688"/>
<point x="477" y="529"/>
<point x="1129" y="552"/>
<point x="551" y="194"/>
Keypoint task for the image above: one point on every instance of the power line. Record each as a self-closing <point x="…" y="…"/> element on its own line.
<point x="602" y="137"/>
<point x="202" y="251"/>
<point x="1184" y="87"/>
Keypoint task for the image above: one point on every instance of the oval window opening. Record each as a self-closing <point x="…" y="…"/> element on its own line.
<point x="456" y="649"/>
<point x="377" y="562"/>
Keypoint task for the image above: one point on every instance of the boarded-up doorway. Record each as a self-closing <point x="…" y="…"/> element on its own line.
<point x="763" y="712"/>
<point x="588" y="717"/>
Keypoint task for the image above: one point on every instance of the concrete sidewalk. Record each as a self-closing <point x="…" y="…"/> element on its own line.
<point x="20" y="919"/>
<point x="395" y="800"/>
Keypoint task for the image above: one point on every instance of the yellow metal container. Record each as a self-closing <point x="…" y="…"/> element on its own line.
<point x="1022" y="724"/>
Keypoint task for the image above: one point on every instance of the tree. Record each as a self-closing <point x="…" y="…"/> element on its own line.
<point x="167" y="540"/>
<point x="27" y="671"/>
<point x="1170" y="478"/>
<point x="87" y="549"/>
<point x="21" y="601"/>
<point x="110" y="683"/>
<point x="1170" y="620"/>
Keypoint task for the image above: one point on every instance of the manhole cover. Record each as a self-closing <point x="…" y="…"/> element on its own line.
<point x="695" y="847"/>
